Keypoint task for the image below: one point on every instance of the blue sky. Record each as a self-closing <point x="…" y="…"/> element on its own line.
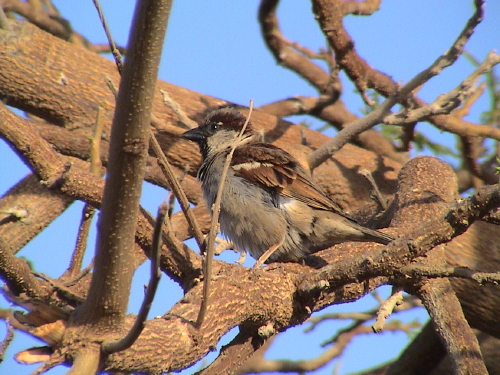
<point x="215" y="48"/>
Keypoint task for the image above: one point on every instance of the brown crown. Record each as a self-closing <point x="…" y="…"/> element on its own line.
<point x="229" y="118"/>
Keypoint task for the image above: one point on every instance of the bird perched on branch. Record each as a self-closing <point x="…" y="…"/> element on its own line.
<point x="270" y="206"/>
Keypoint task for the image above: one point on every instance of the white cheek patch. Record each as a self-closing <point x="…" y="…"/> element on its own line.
<point x="250" y="165"/>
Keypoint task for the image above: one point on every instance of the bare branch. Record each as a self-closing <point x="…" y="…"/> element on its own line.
<point x="406" y="303"/>
<point x="446" y="103"/>
<point x="377" y="115"/>
<point x="460" y="342"/>
<point x="418" y="241"/>
<point x="235" y="354"/>
<point x="17" y="275"/>
<point x="88" y="211"/>
<point x="162" y="160"/>
<point x="55" y="25"/>
<point x="386" y="309"/>
<point x="339" y="343"/>
<point x="22" y="216"/>
<point x="108" y="295"/>
<point x="9" y="336"/>
<point x="76" y="182"/>
<point x="482" y="278"/>
<point x="426" y="345"/>
<point x="127" y="341"/>
<point x="179" y="112"/>
<point x="338" y="116"/>
<point x="112" y="45"/>
<point x="327" y="84"/>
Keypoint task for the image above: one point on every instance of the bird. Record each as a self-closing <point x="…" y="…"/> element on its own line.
<point x="270" y="206"/>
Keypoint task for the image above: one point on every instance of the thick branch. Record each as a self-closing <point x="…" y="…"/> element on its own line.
<point x="41" y="204"/>
<point x="426" y="345"/>
<point x="78" y="182"/>
<point x="456" y="335"/>
<point x="107" y="300"/>
<point x="412" y="244"/>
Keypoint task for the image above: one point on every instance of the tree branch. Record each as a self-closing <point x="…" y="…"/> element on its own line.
<point x="86" y="363"/>
<point x="327" y="84"/>
<point x="397" y="95"/>
<point x="112" y="44"/>
<point x="414" y="243"/>
<point x="113" y="346"/>
<point x="78" y="183"/>
<point x="460" y="342"/>
<point x="107" y="300"/>
<point x="482" y="278"/>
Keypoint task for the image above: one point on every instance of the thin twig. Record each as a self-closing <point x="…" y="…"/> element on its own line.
<point x="408" y="302"/>
<point x="111" y="86"/>
<point x="471" y="146"/>
<point x="386" y="309"/>
<point x="9" y="336"/>
<point x="112" y="45"/>
<point x="448" y="102"/>
<point x="179" y="112"/>
<point x="375" y="192"/>
<point x="210" y="240"/>
<point x="469" y="102"/>
<point x="287" y="56"/>
<point x="140" y="321"/>
<point x="339" y="344"/>
<point x="88" y="210"/>
<point x="177" y="189"/>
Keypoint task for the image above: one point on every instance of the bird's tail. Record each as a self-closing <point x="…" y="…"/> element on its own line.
<point x="375" y="235"/>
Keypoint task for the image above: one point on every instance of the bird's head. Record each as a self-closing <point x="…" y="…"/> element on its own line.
<point x="219" y="130"/>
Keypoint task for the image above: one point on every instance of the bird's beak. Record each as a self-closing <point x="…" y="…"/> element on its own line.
<point x="195" y="135"/>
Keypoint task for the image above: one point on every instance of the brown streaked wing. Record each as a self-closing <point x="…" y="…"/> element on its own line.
<point x="273" y="167"/>
<point x="264" y="164"/>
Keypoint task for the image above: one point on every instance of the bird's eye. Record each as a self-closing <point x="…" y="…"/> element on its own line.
<point x="215" y="125"/>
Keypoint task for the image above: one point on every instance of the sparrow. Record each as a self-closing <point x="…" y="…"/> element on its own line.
<point x="270" y="206"/>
